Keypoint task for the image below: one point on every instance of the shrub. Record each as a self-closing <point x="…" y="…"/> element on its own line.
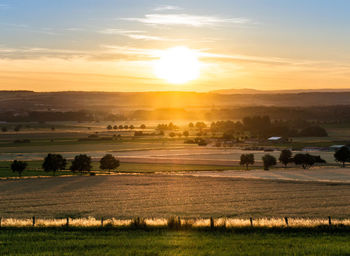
<point x="313" y="131"/>
<point x="268" y="161"/>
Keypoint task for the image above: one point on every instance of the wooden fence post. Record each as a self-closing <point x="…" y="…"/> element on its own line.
<point x="179" y="221"/>
<point x="67" y="222"/>
<point x="212" y="224"/>
<point x="101" y="222"/>
<point x="0" y="221"/>
<point x="251" y="221"/>
<point x="329" y="220"/>
<point x="33" y="221"/>
<point x="286" y="220"/>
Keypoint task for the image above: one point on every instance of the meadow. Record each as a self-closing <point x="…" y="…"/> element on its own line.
<point x="82" y="241"/>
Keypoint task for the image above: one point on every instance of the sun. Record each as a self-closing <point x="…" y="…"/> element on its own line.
<point x="178" y="65"/>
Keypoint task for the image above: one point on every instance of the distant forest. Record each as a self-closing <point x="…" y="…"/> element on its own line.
<point x="323" y="114"/>
<point x="25" y="106"/>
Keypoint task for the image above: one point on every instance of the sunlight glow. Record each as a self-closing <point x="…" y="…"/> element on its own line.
<point x="178" y="65"/>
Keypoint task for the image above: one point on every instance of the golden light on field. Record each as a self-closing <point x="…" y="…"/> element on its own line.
<point x="178" y="65"/>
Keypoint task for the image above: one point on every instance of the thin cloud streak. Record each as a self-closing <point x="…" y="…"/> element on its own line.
<point x="186" y="20"/>
<point x="136" y="34"/>
<point x="110" y="53"/>
<point x="167" y="8"/>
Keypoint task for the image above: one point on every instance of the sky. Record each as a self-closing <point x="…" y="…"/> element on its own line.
<point x="113" y="45"/>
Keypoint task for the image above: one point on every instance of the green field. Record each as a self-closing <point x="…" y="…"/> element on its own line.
<point x="34" y="169"/>
<point x="165" y="242"/>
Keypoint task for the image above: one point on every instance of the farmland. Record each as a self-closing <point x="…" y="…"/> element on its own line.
<point x="163" y="242"/>
<point x="156" y="195"/>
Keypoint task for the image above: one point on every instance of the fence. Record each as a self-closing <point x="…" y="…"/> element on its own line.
<point x="176" y="222"/>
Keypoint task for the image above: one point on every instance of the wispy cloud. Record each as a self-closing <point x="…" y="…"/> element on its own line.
<point x="186" y="20"/>
<point x="4" y="6"/>
<point x="167" y="8"/>
<point x="134" y="34"/>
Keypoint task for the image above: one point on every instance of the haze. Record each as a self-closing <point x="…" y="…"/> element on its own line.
<point x="112" y="46"/>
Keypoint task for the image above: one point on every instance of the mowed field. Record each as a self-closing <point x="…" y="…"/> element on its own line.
<point x="127" y="196"/>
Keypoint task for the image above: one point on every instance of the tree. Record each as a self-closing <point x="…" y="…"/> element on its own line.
<point x="247" y="159"/>
<point x="18" y="166"/>
<point x="132" y="127"/>
<point x="54" y="163"/>
<point x="186" y="133"/>
<point x="4" y="129"/>
<point x="109" y="162"/>
<point x="142" y="126"/>
<point x="313" y="131"/>
<point x="17" y="128"/>
<point x="121" y="127"/>
<point x="81" y="163"/>
<point x="269" y="161"/>
<point x="307" y="160"/>
<point x="191" y="125"/>
<point x="109" y="127"/>
<point x="285" y="157"/>
<point x="342" y="155"/>
<point x="172" y="134"/>
<point x="115" y="127"/>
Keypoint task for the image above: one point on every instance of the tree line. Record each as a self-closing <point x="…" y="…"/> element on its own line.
<point x="81" y="163"/>
<point x="286" y="157"/>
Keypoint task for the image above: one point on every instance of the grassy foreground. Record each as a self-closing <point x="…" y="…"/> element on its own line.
<point x="165" y="242"/>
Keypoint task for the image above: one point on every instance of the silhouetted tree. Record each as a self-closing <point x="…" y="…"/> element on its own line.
<point x="285" y="157"/>
<point x="307" y="160"/>
<point x="132" y="127"/>
<point x="19" y="167"/>
<point x="54" y="163"/>
<point x="81" y="163"/>
<point x="109" y="162"/>
<point x="269" y="161"/>
<point x="342" y="155"/>
<point x="142" y="126"/>
<point x="191" y="125"/>
<point x="109" y="127"/>
<point x="186" y="133"/>
<point x="247" y="159"/>
<point x="313" y="131"/>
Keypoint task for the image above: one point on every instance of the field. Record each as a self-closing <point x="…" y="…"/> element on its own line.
<point x="160" y="177"/>
<point x="157" y="195"/>
<point x="163" y="242"/>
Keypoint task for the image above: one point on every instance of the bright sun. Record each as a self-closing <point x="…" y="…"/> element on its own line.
<point x="178" y="65"/>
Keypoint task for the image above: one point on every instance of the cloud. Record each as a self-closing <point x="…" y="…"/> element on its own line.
<point x="4" y="6"/>
<point x="135" y="34"/>
<point x="186" y="20"/>
<point x="167" y="8"/>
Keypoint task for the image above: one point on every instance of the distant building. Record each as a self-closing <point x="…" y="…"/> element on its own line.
<point x="276" y="139"/>
<point x="337" y="147"/>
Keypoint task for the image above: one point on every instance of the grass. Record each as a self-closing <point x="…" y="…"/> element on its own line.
<point x="165" y="242"/>
<point x="34" y="168"/>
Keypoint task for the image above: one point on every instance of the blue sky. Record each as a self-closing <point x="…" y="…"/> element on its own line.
<point x="302" y="36"/>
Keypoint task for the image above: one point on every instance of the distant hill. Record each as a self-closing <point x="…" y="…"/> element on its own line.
<point x="253" y="91"/>
<point x="122" y="101"/>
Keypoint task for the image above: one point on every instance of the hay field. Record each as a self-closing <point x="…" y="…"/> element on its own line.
<point x="128" y="196"/>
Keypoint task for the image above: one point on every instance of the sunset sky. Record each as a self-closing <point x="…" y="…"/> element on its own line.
<point x="114" y="45"/>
